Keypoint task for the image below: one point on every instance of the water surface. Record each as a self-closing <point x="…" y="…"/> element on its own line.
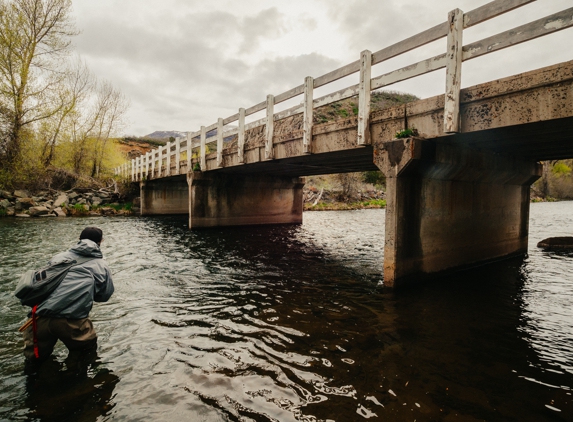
<point x="293" y="323"/>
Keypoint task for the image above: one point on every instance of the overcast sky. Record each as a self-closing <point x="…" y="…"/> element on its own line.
<point x="184" y="63"/>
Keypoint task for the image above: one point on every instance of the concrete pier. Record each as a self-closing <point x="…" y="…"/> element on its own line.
<point x="450" y="206"/>
<point x="164" y="196"/>
<point x="237" y="200"/>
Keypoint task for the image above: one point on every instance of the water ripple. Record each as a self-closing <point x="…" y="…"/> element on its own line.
<point x="292" y="324"/>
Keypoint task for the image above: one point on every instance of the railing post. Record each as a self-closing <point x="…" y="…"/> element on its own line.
<point x="189" y="151"/>
<point x="270" y="127"/>
<point x="159" y="161"/>
<point x="147" y="165"/>
<point x="241" y="136"/>
<point x="203" y="149"/>
<point x="307" y="114"/>
<point x="453" y="71"/>
<point x="220" y="142"/>
<point x="152" y="164"/>
<point x="177" y="155"/>
<point x="168" y="159"/>
<point x="364" y="98"/>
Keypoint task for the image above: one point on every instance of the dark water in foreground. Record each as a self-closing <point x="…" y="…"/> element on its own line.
<point x="293" y="324"/>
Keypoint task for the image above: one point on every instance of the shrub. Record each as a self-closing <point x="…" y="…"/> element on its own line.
<point x="374" y="178"/>
<point x="561" y="169"/>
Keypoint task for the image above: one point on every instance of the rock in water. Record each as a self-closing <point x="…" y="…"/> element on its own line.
<point x="561" y="243"/>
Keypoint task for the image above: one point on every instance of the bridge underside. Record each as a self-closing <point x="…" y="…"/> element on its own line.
<point x="453" y="200"/>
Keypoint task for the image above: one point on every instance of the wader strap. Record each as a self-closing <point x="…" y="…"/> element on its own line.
<point x="34" y="331"/>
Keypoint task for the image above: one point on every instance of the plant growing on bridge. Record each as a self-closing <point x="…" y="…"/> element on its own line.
<point x="406" y="133"/>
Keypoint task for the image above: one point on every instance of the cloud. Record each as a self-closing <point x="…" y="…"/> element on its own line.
<point x="201" y="66"/>
<point x="188" y="62"/>
<point x="266" y="24"/>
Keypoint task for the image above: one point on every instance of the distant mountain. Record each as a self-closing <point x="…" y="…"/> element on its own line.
<point x="165" y="134"/>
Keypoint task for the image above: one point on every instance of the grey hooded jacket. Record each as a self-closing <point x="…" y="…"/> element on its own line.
<point x="83" y="285"/>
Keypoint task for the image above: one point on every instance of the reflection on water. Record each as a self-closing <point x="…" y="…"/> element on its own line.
<point x="294" y="324"/>
<point x="74" y="389"/>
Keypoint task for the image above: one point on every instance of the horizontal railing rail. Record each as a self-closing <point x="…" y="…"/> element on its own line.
<point x="158" y="163"/>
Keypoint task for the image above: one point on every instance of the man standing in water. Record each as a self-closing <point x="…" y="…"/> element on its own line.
<point x="64" y="315"/>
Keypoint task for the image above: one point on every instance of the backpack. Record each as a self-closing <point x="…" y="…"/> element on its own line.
<point x="35" y="286"/>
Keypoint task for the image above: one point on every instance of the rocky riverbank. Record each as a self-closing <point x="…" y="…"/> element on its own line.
<point x="73" y="202"/>
<point x="322" y="199"/>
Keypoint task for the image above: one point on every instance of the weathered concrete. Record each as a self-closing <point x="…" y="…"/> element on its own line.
<point x="165" y="196"/>
<point x="450" y="206"/>
<point x="222" y="200"/>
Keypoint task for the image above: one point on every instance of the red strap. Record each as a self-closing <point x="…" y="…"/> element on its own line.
<point x="34" y="331"/>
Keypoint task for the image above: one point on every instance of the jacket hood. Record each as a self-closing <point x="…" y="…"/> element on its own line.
<point x="87" y="247"/>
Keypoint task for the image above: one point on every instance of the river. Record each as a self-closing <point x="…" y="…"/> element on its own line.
<point x="293" y="323"/>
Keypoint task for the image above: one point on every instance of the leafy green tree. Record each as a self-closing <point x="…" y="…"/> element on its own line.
<point x="35" y="35"/>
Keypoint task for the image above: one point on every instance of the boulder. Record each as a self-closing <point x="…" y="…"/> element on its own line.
<point x="73" y="195"/>
<point x="59" y="212"/>
<point x="557" y="243"/>
<point x="96" y="200"/>
<point x="62" y="199"/>
<point x="49" y="215"/>
<point x="5" y="203"/>
<point x="5" y="194"/>
<point x="22" y="215"/>
<point x="38" y="211"/>
<point x="25" y="202"/>
<point x="10" y="212"/>
<point x="21" y="194"/>
<point x="107" y="211"/>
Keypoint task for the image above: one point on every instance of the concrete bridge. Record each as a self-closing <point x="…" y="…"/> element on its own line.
<point x="457" y="191"/>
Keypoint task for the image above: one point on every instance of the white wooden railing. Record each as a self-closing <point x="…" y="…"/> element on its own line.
<point x="157" y="163"/>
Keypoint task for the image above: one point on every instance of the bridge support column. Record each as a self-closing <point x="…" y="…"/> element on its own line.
<point x="450" y="207"/>
<point x="164" y="196"/>
<point x="237" y="200"/>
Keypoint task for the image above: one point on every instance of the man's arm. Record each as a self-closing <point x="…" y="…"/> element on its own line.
<point x="103" y="284"/>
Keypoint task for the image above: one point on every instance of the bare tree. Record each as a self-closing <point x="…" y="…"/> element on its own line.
<point x="34" y="37"/>
<point x="75" y="89"/>
<point x="91" y="125"/>
<point x="111" y="107"/>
